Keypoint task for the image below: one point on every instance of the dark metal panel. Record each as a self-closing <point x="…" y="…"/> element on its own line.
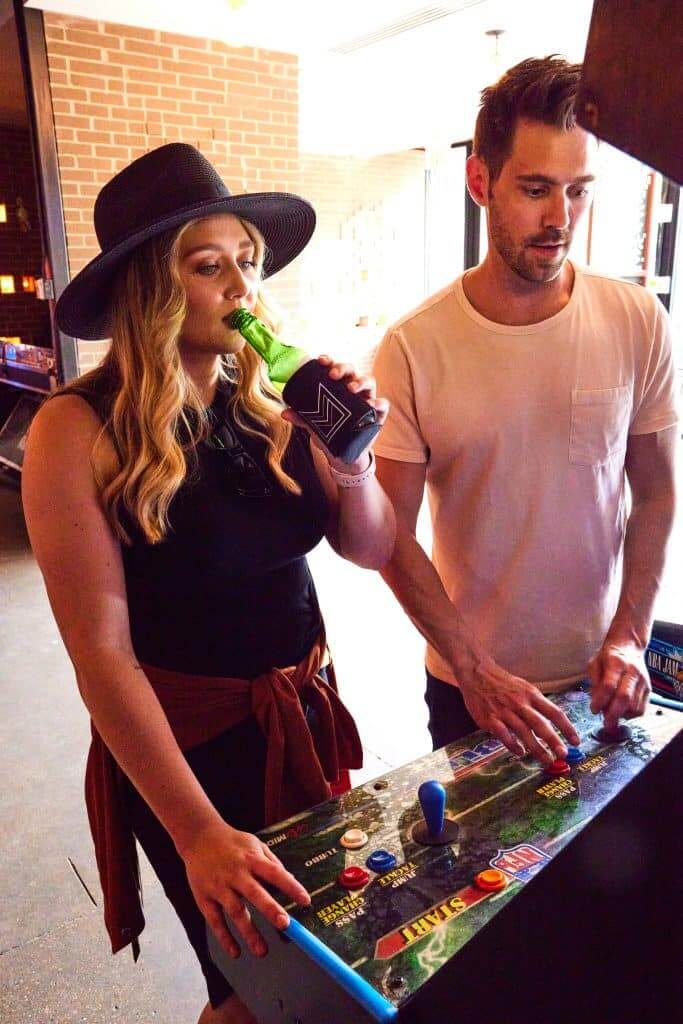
<point x="39" y="101"/>
<point x="472" y="219"/>
<point x="666" y="239"/>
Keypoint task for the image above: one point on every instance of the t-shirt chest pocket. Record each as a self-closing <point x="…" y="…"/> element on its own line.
<point x="599" y="424"/>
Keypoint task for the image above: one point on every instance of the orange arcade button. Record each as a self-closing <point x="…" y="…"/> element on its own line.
<point x="491" y="880"/>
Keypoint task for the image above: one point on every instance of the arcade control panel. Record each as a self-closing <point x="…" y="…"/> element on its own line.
<point x="475" y="885"/>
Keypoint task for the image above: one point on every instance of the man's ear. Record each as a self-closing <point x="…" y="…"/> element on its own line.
<point x="477" y="179"/>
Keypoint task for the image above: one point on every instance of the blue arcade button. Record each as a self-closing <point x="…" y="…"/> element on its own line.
<point x="381" y="861"/>
<point x="574" y="755"/>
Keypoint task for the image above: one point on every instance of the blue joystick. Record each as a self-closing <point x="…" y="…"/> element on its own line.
<point x="435" y="830"/>
<point x="432" y="798"/>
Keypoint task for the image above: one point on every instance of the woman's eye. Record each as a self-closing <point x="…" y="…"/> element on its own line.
<point x="248" y="263"/>
<point x="207" y="269"/>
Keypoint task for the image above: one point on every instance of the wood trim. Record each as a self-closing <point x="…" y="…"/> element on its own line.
<point x="589" y="237"/>
<point x="650" y="225"/>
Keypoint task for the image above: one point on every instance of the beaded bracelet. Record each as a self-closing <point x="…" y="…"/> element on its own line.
<point x="349" y="480"/>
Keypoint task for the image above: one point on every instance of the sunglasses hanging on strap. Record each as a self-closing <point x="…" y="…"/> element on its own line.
<point x="244" y="475"/>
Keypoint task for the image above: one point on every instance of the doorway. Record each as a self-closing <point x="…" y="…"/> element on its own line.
<point x="34" y="356"/>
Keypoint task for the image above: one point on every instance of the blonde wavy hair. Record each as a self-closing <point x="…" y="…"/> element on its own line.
<point x="157" y="417"/>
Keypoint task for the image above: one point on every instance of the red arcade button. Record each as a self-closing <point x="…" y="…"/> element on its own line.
<point x="559" y="767"/>
<point x="353" y="877"/>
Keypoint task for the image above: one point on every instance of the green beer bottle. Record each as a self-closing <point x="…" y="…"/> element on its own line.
<point x="345" y="422"/>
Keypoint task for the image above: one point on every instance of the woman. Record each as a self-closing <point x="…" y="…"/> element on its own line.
<point x="170" y="503"/>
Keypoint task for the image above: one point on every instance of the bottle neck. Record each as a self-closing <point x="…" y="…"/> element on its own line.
<point x="281" y="359"/>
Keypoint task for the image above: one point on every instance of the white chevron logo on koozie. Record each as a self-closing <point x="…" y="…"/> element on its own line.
<point x="329" y="416"/>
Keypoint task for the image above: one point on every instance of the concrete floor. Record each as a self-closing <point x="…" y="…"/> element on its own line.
<point x="55" y="961"/>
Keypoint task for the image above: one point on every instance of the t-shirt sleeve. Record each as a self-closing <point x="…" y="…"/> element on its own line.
<point x="400" y="437"/>
<point x="658" y="405"/>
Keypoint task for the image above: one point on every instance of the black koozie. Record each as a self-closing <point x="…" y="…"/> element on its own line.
<point x="343" y="421"/>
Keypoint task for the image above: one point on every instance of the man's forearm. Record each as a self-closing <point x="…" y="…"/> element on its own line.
<point x="510" y="708"/>
<point x="418" y="588"/>
<point x="647" y="533"/>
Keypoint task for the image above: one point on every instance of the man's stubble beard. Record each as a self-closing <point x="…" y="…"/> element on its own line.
<point x="515" y="256"/>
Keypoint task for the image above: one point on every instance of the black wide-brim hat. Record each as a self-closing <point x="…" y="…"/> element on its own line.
<point x="161" y="190"/>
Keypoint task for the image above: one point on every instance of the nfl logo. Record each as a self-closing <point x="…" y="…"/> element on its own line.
<point x="522" y="861"/>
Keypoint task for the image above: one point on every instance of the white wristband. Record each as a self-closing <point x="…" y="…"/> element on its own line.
<point x="349" y="480"/>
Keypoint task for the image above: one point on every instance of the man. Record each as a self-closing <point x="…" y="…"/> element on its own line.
<point x="523" y="395"/>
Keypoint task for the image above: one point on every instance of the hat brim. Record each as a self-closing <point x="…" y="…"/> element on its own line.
<point x="286" y="222"/>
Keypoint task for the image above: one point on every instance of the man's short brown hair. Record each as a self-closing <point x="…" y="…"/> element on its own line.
<point x="537" y="90"/>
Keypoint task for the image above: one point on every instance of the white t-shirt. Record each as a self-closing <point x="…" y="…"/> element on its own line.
<point x="524" y="432"/>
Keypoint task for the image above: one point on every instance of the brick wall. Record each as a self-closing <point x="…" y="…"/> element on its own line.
<point x="119" y="91"/>
<point x="21" y="314"/>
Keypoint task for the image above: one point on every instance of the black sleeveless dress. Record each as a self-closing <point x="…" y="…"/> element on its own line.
<point x="228" y="592"/>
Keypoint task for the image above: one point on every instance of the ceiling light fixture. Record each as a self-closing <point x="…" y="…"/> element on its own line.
<point x="496" y="33"/>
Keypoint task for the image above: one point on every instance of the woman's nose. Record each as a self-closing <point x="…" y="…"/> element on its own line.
<point x="236" y="285"/>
